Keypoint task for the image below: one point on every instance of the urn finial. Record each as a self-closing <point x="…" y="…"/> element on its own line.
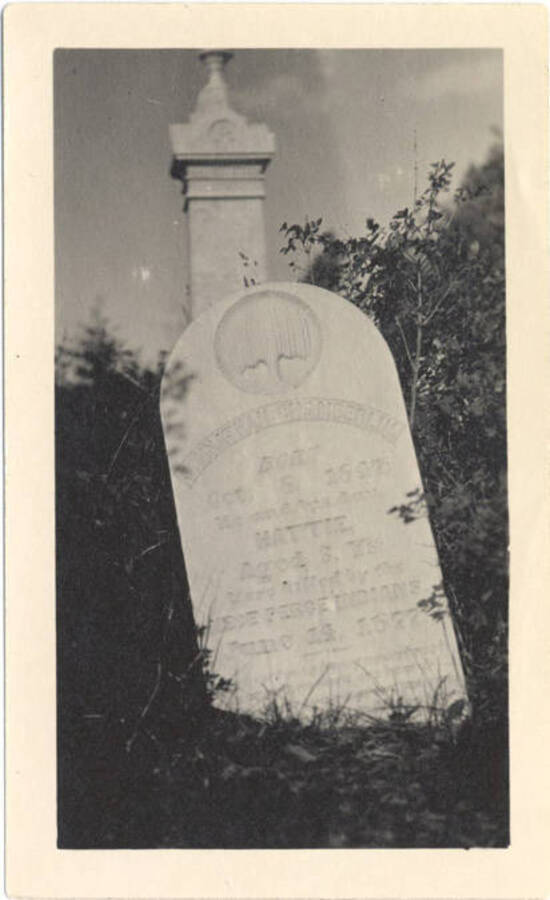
<point x="214" y="93"/>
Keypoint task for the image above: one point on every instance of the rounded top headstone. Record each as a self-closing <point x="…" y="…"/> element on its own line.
<point x="289" y="447"/>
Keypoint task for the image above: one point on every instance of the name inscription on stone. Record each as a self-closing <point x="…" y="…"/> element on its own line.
<point x="306" y="585"/>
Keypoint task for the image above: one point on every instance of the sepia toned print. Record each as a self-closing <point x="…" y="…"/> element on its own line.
<point x="374" y="194"/>
<point x="299" y="590"/>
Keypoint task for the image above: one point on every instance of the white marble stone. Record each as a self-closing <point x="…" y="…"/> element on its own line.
<point x="288" y="443"/>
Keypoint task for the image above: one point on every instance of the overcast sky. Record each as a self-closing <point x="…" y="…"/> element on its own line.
<point x="344" y="122"/>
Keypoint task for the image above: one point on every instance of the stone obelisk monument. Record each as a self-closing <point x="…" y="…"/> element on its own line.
<point x="221" y="160"/>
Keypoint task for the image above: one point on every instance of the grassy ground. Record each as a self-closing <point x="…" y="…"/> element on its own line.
<point x="228" y="781"/>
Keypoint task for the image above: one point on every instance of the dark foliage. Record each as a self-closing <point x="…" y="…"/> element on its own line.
<point x="240" y="783"/>
<point x="434" y="284"/>
<point x="126" y="639"/>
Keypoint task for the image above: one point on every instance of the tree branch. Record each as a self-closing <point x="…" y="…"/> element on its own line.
<point x="404" y="339"/>
<point x="437" y="305"/>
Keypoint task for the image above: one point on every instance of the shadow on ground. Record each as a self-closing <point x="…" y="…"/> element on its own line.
<point x="232" y="782"/>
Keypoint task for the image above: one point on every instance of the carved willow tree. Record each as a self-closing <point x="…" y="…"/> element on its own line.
<point x="433" y="282"/>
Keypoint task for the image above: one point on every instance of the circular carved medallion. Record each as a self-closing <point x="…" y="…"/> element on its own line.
<point x="268" y="343"/>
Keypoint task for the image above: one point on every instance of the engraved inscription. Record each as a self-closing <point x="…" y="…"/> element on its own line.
<point x="309" y="409"/>
<point x="288" y="460"/>
<point x="317" y="581"/>
<point x="292" y="534"/>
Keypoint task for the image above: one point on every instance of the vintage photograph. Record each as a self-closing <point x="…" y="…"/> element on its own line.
<point x="281" y="459"/>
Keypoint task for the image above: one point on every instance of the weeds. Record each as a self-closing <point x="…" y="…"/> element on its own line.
<point x="335" y="780"/>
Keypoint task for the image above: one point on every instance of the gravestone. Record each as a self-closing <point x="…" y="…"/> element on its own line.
<point x="288" y="444"/>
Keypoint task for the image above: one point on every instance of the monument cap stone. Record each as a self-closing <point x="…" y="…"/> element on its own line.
<point x="215" y="130"/>
<point x="288" y="445"/>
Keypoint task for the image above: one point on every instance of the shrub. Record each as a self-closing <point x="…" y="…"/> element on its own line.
<point x="433" y="282"/>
